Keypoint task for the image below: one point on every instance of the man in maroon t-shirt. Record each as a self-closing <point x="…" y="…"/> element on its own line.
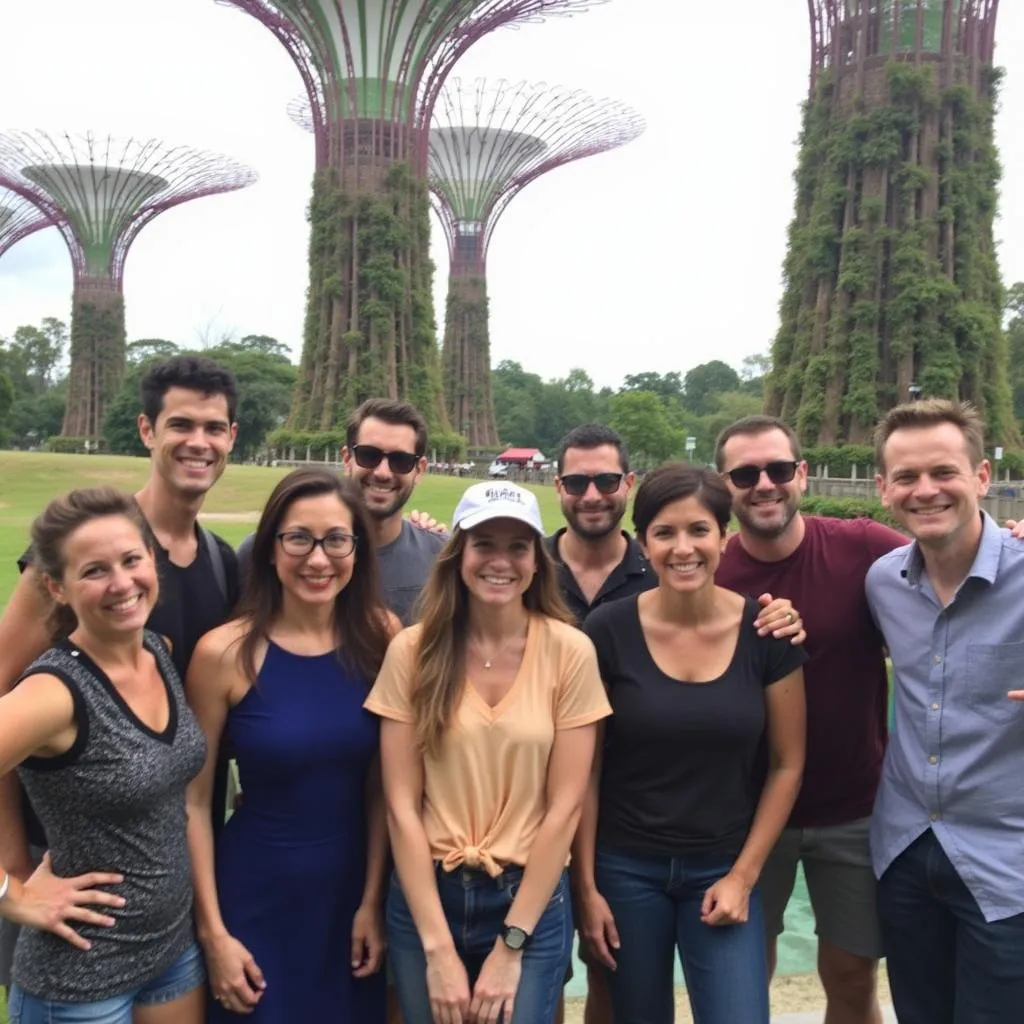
<point x="820" y="564"/>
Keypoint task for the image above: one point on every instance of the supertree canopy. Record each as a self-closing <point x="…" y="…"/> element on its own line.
<point x="100" y="193"/>
<point x="487" y="143"/>
<point x="372" y="70"/>
<point x="892" y="281"/>
<point x="18" y="218"/>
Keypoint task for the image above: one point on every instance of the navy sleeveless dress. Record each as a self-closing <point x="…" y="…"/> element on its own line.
<point x="291" y="862"/>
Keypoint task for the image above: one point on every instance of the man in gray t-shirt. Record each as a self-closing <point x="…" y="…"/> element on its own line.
<point x="385" y="454"/>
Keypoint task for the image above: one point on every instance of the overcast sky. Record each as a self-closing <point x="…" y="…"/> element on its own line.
<point x="657" y="256"/>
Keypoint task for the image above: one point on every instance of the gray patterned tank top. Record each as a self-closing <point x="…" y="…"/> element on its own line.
<point x="114" y="802"/>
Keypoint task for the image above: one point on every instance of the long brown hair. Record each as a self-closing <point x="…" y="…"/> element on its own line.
<point x="444" y="618"/>
<point x="361" y="631"/>
<point x="61" y="517"/>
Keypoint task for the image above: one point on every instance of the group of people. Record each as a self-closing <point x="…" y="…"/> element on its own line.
<point x="457" y="748"/>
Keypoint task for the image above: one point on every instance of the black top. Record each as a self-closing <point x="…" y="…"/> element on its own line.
<point x="190" y="604"/>
<point x="679" y="759"/>
<point x="633" y="575"/>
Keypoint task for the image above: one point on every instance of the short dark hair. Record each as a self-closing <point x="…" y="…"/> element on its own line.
<point x="932" y="412"/>
<point x="755" y="425"/>
<point x="673" y="482"/>
<point x="593" y="435"/>
<point x="194" y="373"/>
<point x="398" y="414"/>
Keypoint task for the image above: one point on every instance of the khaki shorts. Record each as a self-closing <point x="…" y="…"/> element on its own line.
<point x="840" y="882"/>
<point x="9" y="932"/>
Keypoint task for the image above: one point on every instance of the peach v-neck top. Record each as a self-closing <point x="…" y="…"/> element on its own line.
<point x="485" y="791"/>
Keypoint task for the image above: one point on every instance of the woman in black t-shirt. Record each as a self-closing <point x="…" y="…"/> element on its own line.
<point x="674" y="835"/>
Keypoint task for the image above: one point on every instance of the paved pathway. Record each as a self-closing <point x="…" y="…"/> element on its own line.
<point x="816" y="1018"/>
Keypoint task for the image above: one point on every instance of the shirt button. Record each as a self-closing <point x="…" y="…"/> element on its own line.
<point x="934" y="817"/>
<point x="932" y="759"/>
<point x="938" y="659"/>
<point x="935" y="707"/>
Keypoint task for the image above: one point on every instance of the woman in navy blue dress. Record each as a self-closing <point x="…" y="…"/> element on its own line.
<point x="289" y="896"/>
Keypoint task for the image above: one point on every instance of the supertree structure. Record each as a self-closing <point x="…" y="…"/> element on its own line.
<point x="892" y="284"/>
<point x="372" y="70"/>
<point x="101" y="192"/>
<point x="18" y="218"/>
<point x="488" y="141"/>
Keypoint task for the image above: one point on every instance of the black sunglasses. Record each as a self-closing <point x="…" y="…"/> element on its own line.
<point x="577" y="483"/>
<point x="745" y="477"/>
<point x="369" y="456"/>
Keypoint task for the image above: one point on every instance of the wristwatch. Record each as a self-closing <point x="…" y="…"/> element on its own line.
<point x="515" y="938"/>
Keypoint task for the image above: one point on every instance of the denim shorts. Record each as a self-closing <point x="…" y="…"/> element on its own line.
<point x="185" y="975"/>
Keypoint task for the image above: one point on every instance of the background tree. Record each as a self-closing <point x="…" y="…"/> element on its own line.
<point x="6" y="402"/>
<point x="1015" y="340"/>
<point x="704" y="382"/>
<point x="145" y="349"/>
<point x="641" y="419"/>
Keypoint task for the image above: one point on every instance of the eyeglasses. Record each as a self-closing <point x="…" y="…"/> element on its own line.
<point x="369" y="456"/>
<point x="299" y="544"/>
<point x="745" y="477"/>
<point x="578" y="483"/>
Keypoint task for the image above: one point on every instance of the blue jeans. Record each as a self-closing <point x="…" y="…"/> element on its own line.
<point x="656" y="904"/>
<point x="475" y="905"/>
<point x="186" y="974"/>
<point x="946" y="963"/>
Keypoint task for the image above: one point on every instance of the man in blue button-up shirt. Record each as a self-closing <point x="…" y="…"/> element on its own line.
<point x="948" y="829"/>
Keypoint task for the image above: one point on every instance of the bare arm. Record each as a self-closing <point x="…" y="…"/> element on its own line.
<point x="24" y="635"/>
<point x="726" y="901"/>
<point x="213" y="676"/>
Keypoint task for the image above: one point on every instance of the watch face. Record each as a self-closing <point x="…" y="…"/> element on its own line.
<point x="515" y="938"/>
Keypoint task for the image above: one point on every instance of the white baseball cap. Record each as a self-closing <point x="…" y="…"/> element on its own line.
<point x="497" y="500"/>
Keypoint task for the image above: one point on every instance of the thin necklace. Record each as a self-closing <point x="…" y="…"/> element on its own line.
<point x="501" y="650"/>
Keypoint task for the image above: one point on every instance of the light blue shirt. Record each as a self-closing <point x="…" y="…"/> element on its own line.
<point x="955" y="762"/>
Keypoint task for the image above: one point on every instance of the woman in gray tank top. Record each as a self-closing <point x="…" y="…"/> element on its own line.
<point x="105" y="746"/>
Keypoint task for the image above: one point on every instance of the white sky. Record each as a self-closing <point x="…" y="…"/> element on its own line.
<point x="658" y="256"/>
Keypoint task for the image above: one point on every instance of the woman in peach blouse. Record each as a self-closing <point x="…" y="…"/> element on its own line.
<point x="490" y="709"/>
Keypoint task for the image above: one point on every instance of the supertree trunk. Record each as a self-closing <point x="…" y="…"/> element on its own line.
<point x="97" y="355"/>
<point x="891" y="276"/>
<point x="370" y="322"/>
<point x="467" y="361"/>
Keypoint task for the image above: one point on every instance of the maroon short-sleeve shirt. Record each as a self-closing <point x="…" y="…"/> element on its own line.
<point x="845" y="678"/>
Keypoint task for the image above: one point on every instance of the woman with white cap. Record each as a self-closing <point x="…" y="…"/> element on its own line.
<point x="490" y="708"/>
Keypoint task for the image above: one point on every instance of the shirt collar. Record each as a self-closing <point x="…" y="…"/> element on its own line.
<point x="986" y="561"/>
<point x="633" y="562"/>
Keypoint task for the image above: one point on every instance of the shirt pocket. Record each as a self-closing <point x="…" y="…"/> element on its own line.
<point x="992" y="670"/>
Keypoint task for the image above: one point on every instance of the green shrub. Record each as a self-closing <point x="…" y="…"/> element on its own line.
<point x="847" y="508"/>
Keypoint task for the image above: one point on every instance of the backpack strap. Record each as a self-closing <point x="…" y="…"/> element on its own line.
<point x="216" y="560"/>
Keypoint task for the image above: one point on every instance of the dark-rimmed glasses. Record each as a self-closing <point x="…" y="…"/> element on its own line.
<point x="576" y="484"/>
<point x="299" y="543"/>
<point x="369" y="456"/>
<point x="745" y="477"/>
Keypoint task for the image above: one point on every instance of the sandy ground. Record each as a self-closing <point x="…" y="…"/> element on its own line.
<point x="798" y="993"/>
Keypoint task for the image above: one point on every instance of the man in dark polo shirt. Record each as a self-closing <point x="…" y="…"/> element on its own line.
<point x="597" y="562"/>
<point x="820" y="564"/>
<point x="188" y="424"/>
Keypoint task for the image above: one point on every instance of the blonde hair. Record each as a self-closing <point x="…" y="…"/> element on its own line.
<point x="443" y="610"/>
<point x="931" y="412"/>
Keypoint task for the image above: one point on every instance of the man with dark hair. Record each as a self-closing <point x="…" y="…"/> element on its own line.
<point x="820" y="564"/>
<point x="188" y="424"/>
<point x="385" y="453"/>
<point x="947" y="836"/>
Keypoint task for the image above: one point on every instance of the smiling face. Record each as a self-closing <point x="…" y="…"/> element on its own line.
<point x="499" y="561"/>
<point x="684" y="545"/>
<point x="109" y="579"/>
<point x="931" y="486"/>
<point x="315" y="578"/>
<point x="385" y="491"/>
<point x="190" y="440"/>
<point x="593" y="515"/>
<point x="766" y="509"/>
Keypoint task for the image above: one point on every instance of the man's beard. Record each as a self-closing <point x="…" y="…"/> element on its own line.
<point x="768" y="530"/>
<point x="615" y="514"/>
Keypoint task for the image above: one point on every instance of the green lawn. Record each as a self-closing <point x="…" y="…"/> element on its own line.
<point x="29" y="479"/>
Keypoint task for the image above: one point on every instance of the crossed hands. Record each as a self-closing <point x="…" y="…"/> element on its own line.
<point x="491" y="1000"/>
